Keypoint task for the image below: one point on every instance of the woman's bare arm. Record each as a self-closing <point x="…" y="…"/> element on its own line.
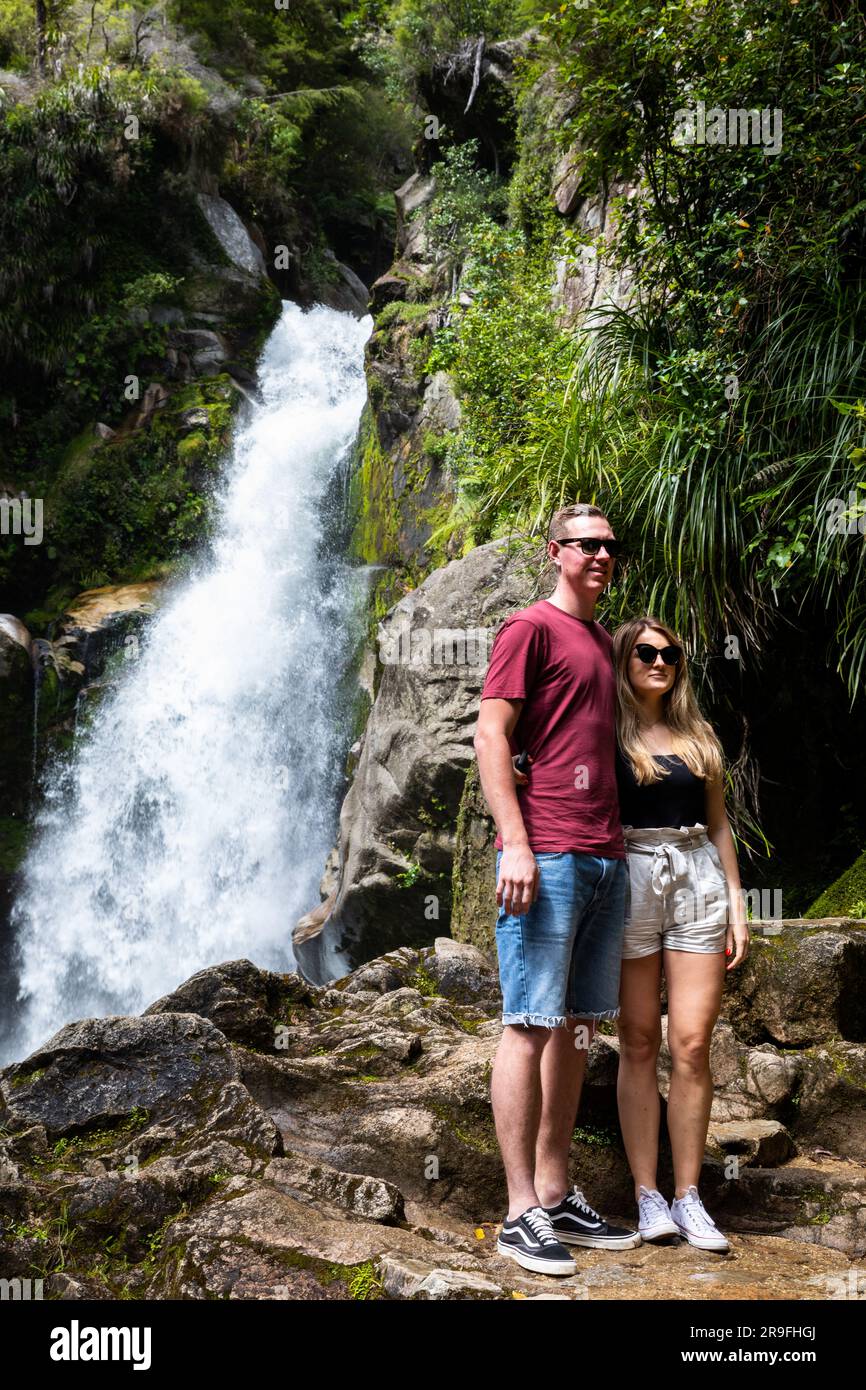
<point x="719" y="831"/>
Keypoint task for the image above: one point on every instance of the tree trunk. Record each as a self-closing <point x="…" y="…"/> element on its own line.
<point x="41" y="19"/>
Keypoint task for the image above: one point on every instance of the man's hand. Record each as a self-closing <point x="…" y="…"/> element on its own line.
<point x="520" y="777"/>
<point x="517" y="887"/>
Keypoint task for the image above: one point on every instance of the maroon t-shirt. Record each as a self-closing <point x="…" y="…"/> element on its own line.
<point x="562" y="669"/>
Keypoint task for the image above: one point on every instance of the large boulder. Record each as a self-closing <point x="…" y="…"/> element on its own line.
<point x="171" y="1070"/>
<point x="397" y="826"/>
<point x="245" y="1003"/>
<point x="802" y="986"/>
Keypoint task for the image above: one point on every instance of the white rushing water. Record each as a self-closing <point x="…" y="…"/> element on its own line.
<point x="193" y="821"/>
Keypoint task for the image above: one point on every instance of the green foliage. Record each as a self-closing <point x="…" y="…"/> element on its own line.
<point x="466" y="201"/>
<point x="733" y="381"/>
<point x="91" y="230"/>
<point x="511" y="362"/>
<point x="17" y="28"/>
<point x="409" y="877"/>
<point x="98" y="218"/>
<point x="132" y="505"/>
<point x="720" y="414"/>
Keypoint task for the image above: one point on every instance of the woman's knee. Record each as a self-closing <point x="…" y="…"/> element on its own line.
<point x="639" y="1042"/>
<point x="690" y="1052"/>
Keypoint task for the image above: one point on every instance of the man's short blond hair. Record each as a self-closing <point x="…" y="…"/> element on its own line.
<point x="566" y="513"/>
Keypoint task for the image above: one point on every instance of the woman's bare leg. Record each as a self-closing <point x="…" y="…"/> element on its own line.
<point x="695" y="983"/>
<point x="637" y="1089"/>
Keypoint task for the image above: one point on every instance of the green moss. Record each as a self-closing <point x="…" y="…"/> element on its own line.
<point x="14" y="839"/>
<point x="362" y="1281"/>
<point x="423" y="982"/>
<point x="400" y="311"/>
<point x="372" y="501"/>
<point x="828" y="1206"/>
<point x="193" y="447"/>
<point x="26" y="1078"/>
<point x="477" y="1130"/>
<point x="846" y="897"/>
<point x="468" y="1025"/>
<point x="596" y="1136"/>
<point x="851" y="1070"/>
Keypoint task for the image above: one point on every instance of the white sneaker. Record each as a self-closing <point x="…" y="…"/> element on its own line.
<point x="695" y="1223"/>
<point x="654" y="1215"/>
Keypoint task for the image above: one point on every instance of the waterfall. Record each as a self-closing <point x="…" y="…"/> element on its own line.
<point x="192" y="821"/>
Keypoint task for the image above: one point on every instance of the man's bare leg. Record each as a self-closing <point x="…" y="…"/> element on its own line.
<point x="515" y="1093"/>
<point x="563" y="1066"/>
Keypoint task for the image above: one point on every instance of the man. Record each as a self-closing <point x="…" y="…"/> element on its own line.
<point x="562" y="885"/>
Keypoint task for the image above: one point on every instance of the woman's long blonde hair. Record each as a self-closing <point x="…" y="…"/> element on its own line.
<point x="692" y="738"/>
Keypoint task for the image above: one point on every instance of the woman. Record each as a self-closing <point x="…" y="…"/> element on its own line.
<point x="686" y="912"/>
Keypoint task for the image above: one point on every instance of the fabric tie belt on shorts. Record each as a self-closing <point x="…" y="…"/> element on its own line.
<point x="669" y="864"/>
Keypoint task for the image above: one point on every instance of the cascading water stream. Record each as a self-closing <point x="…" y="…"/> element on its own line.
<point x="192" y="822"/>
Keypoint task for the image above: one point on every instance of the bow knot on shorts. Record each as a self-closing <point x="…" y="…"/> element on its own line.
<point x="669" y="865"/>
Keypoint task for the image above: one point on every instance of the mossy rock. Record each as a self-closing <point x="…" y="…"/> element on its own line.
<point x="473" y="916"/>
<point x="14" y="839"/>
<point x="130" y="506"/>
<point x="846" y="897"/>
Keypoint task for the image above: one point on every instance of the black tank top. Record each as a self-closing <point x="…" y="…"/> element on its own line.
<point x="678" y="799"/>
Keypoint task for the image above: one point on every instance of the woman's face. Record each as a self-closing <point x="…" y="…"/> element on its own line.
<point x="657" y="678"/>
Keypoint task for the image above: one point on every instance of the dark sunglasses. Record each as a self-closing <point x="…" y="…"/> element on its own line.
<point x="648" y="653"/>
<point x="591" y="545"/>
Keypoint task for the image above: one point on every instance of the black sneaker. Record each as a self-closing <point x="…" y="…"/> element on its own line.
<point x="530" y="1241"/>
<point x="574" y="1222"/>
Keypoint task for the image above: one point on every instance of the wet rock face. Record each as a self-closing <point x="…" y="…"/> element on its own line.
<point x="98" y="622"/>
<point x="231" y="234"/>
<point x="397" y="822"/>
<point x="350" y="1152"/>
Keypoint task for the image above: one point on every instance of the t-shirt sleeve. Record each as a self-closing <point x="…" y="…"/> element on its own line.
<point x="514" y="661"/>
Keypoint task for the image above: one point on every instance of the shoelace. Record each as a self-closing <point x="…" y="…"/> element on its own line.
<point x="695" y="1208"/>
<point x="577" y="1199"/>
<point x="655" y="1201"/>
<point x="539" y="1224"/>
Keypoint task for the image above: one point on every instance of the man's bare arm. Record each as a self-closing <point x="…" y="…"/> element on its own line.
<point x="518" y="870"/>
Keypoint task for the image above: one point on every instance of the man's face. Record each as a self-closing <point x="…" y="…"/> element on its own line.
<point x="584" y="573"/>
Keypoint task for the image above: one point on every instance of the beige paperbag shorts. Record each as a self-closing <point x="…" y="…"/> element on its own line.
<point x="679" y="896"/>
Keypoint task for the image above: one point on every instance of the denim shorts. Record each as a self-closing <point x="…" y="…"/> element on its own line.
<point x="561" y="959"/>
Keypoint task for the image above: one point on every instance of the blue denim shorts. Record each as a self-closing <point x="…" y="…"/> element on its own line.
<point x="561" y="959"/>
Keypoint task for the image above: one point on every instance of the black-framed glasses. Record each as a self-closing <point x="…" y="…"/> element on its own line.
<point x="648" y="653"/>
<point x="591" y="545"/>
